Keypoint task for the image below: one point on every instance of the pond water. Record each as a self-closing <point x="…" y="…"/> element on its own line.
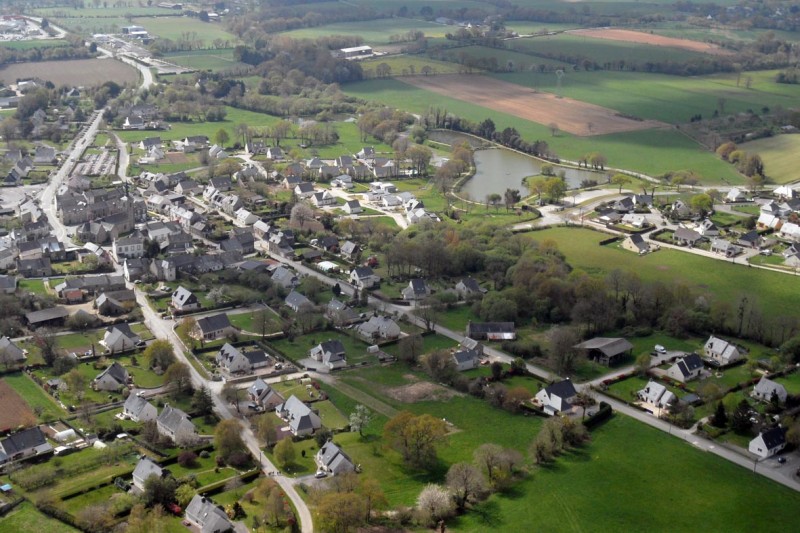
<point x="498" y="169"/>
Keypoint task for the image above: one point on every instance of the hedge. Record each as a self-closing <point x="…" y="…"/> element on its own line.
<point x="603" y="414"/>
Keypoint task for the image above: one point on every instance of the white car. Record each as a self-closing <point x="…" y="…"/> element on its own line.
<point x="320" y="474"/>
<point x="660" y="349"/>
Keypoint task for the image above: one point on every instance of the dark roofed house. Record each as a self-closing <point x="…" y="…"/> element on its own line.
<point x="492" y="331"/>
<point x="265" y="396"/>
<point x="417" y="290"/>
<point x="686" y="368"/>
<point x="686" y="236"/>
<point x="469" y="287"/>
<point x="144" y="469"/>
<point x="331" y="459"/>
<point x="466" y="359"/>
<point x="184" y="300"/>
<point x="207" y="517"/>
<point x="636" y="243"/>
<point x="176" y="425"/>
<point x="214" y="327"/>
<point x="768" y="443"/>
<point x="557" y="397"/>
<point x="302" y="420"/>
<point x="34" y="268"/>
<point x="606" y="350"/>
<point x="330" y="353"/>
<point x="364" y="277"/>
<point x="23" y="444"/>
<point x="297" y="302"/>
<point x="113" y="378"/>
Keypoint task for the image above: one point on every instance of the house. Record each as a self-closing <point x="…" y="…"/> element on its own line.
<point x="285" y="277"/>
<point x="207" y="517"/>
<point x="115" y="303"/>
<point x="275" y="153"/>
<point x="468" y="288"/>
<point x="128" y="247"/>
<point x="176" y="425"/>
<point x="149" y="143"/>
<point x="138" y="409"/>
<point x="214" y="327"/>
<point x="735" y="195"/>
<point x="417" y="289"/>
<point x="352" y="207"/>
<point x="656" y="394"/>
<point x="8" y="259"/>
<point x="624" y="205"/>
<point x="768" y="443"/>
<point x="343" y="181"/>
<point x="766" y="220"/>
<point x="329" y="243"/>
<point x="790" y="230"/>
<point x="331" y="459"/>
<point x="784" y="191"/>
<point x="245" y="217"/>
<point x="378" y="328"/>
<point x="10" y="353"/>
<point x="466" y="359"/>
<point x="726" y="248"/>
<point x="339" y="313"/>
<point x="8" y="284"/>
<point x="751" y="239"/>
<point x="264" y="395"/>
<point x="350" y="250"/>
<point x="24" y="444"/>
<point x="297" y="302"/>
<point x="184" y="300"/>
<point x="120" y="337"/>
<point x="686" y="236"/>
<point x="766" y="388"/>
<point x="44" y="155"/>
<point x="636" y="243"/>
<point x="323" y="198"/>
<point x="221" y="183"/>
<point x="302" y="420"/>
<point x="304" y="189"/>
<point x="606" y="350"/>
<point x="493" y="331"/>
<point x="556" y="398"/>
<point x="144" y="469"/>
<point x="113" y="378"/>
<point x="330" y="353"/>
<point x="34" y="268"/>
<point x="237" y="362"/>
<point x="721" y="351"/>
<point x="292" y="180"/>
<point x="364" y="278"/>
<point x="686" y="368"/>
<point x="634" y="220"/>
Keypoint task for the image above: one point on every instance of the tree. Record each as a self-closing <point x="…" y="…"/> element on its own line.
<point x="360" y="418"/>
<point x="410" y="347"/>
<point x="493" y="199"/>
<point x="184" y="494"/>
<point x="76" y="382"/>
<point x="562" y="353"/>
<point x="373" y="495"/>
<point x="466" y="483"/>
<point x="95" y="519"/>
<point x="284" y="453"/>
<point x="415" y="437"/>
<point x="553" y="129"/>
<point x="435" y="503"/>
<point x="159" y="490"/>
<point x="583" y="400"/>
<point x="159" y="354"/>
<point x="202" y="402"/>
<point x="180" y="377"/>
<point x="439" y="364"/>
<point x="642" y="364"/>
<point x="720" y="418"/>
<point x="555" y="188"/>
<point x="340" y="512"/>
<point x="185" y="328"/>
<point x="228" y="440"/>
<point x="222" y="137"/>
<point x="47" y="342"/>
<point x="420" y="157"/>
<point x="702" y="203"/>
<point x="187" y="459"/>
<point x="231" y="394"/>
<point x="621" y="180"/>
<point x="266" y="430"/>
<point x="301" y="213"/>
<point x="511" y="197"/>
<point x="741" y="418"/>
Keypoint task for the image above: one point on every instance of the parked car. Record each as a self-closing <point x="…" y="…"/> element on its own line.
<point x="320" y="474"/>
<point x="660" y="349"/>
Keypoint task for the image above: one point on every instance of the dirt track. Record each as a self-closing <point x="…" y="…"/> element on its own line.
<point x="629" y="36"/>
<point x="572" y="116"/>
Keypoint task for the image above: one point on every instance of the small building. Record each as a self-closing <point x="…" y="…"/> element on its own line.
<point x="214" y="327"/>
<point x="469" y="288"/>
<point x="138" y="409"/>
<point x="339" y="313"/>
<point x="330" y="353"/>
<point x="350" y="250"/>
<point x="119" y="338"/>
<point x="51" y="316"/>
<point x="765" y="389"/>
<point x="207" y="517"/>
<point x="721" y="351"/>
<point x="556" y="398"/>
<point x="184" y="300"/>
<point x="686" y="237"/>
<point x="493" y="331"/>
<point x="768" y="443"/>
<point x="355" y="51"/>
<point x="145" y="468"/>
<point x="466" y="359"/>
<point x="298" y="302"/>
<point x="285" y="277"/>
<point x="364" y="278"/>
<point x="302" y="420"/>
<point x="378" y="328"/>
<point x="10" y="353"/>
<point x="417" y="289"/>
<point x="263" y="395"/>
<point x="636" y="243"/>
<point x="656" y="394"/>
<point x="352" y="207"/>
<point x="606" y="350"/>
<point x="176" y="425"/>
<point x="332" y="460"/>
<point x="239" y="362"/>
<point x="735" y="195"/>
<point x="23" y="444"/>
<point x="113" y="378"/>
<point x="686" y="368"/>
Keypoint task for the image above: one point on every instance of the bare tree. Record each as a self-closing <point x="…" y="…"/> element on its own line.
<point x="466" y="482"/>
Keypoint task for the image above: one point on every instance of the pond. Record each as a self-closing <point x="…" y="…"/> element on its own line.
<point x="498" y="169"/>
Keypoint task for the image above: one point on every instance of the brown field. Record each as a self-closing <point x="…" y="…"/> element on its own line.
<point x="15" y="410"/>
<point x="572" y="116"/>
<point x="630" y="36"/>
<point x="79" y="72"/>
<point x="422" y="391"/>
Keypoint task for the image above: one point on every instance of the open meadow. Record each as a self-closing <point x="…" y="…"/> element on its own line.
<point x="374" y="32"/>
<point x="175" y="28"/>
<point x="781" y="156"/>
<point x="211" y="59"/>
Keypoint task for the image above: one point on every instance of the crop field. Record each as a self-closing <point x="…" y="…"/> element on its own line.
<point x="34" y="43"/>
<point x="651" y="39"/>
<point x="16" y="411"/>
<point x="176" y="27"/>
<point x="573" y="116"/>
<point x="72" y="72"/>
<point x="374" y="32"/>
<point x="649" y="151"/>
<point x="781" y="156"/>
<point x="718" y="280"/>
<point x="221" y="59"/>
<point x="599" y="51"/>
<point x="33" y="395"/>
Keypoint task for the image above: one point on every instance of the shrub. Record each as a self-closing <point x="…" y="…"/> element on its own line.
<point x="187" y="459"/>
<point x="205" y="454"/>
<point x="238" y="459"/>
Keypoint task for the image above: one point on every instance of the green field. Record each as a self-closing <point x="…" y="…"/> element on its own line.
<point x="176" y="28"/>
<point x="35" y="43"/>
<point x="781" y="156"/>
<point x="374" y="32"/>
<point x="34" y="396"/>
<point x="214" y="60"/>
<point x="27" y="518"/>
<point x="402" y="65"/>
<point x="650" y="151"/>
<point x="522" y="62"/>
<point x="718" y="280"/>
<point x="608" y="486"/>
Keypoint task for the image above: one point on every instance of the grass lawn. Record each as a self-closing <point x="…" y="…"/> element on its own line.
<point x="430" y="343"/>
<point x="34" y="395"/>
<point x="716" y="280"/>
<point x="26" y="517"/>
<point x="36" y="286"/>
<point x="781" y="156"/>
<point x="623" y="459"/>
<point x="791" y="382"/>
<point x="374" y="32"/>
<point x="331" y="417"/>
<point x="253" y="322"/>
<point x="403" y="65"/>
<point x="213" y="60"/>
<point x="458" y="317"/>
<point x="355" y="349"/>
<point x="93" y="497"/>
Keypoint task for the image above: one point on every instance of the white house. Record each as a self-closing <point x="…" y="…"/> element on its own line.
<point x="556" y="398"/>
<point x="262" y="394"/>
<point x="207" y="517"/>
<point x="686" y="368"/>
<point x="138" y="409"/>
<point x="466" y="359"/>
<point x="378" y="327"/>
<point x="352" y="207"/>
<point x="245" y="217"/>
<point x="330" y="353"/>
<point x="214" y="327"/>
<point x="119" y="338"/>
<point x="176" y="425"/>
<point x="417" y="290"/>
<point x="323" y="198"/>
<point x="364" y="277"/>
<point x="768" y="443"/>
<point x="656" y="394"/>
<point x="10" y="353"/>
<point x="302" y="420"/>
<point x="765" y="389"/>
<point x="735" y="195"/>
<point x="236" y="361"/>
<point x="331" y="459"/>
<point x="144" y="469"/>
<point x="184" y="300"/>
<point x="721" y="351"/>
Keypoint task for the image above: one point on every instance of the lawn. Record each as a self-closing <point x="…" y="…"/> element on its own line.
<point x="791" y="382"/>
<point x="212" y="59"/>
<point x="253" y="322"/>
<point x="650" y="151"/>
<point x="355" y="349"/>
<point x="781" y="156"/>
<point x="521" y="61"/>
<point x="26" y="517"/>
<point x="374" y="32"/>
<point x="34" y="396"/>
<point x="457" y="318"/>
<point x="331" y="417"/>
<point x="620" y="465"/>
<point x="430" y="343"/>
<point x="717" y="280"/>
<point x="403" y="65"/>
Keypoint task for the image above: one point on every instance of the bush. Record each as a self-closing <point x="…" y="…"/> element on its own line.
<point x="238" y="459"/>
<point x="603" y="414"/>
<point x="205" y="454"/>
<point x="187" y="459"/>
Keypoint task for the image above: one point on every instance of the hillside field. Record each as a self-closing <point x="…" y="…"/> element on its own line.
<point x="781" y="156"/>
